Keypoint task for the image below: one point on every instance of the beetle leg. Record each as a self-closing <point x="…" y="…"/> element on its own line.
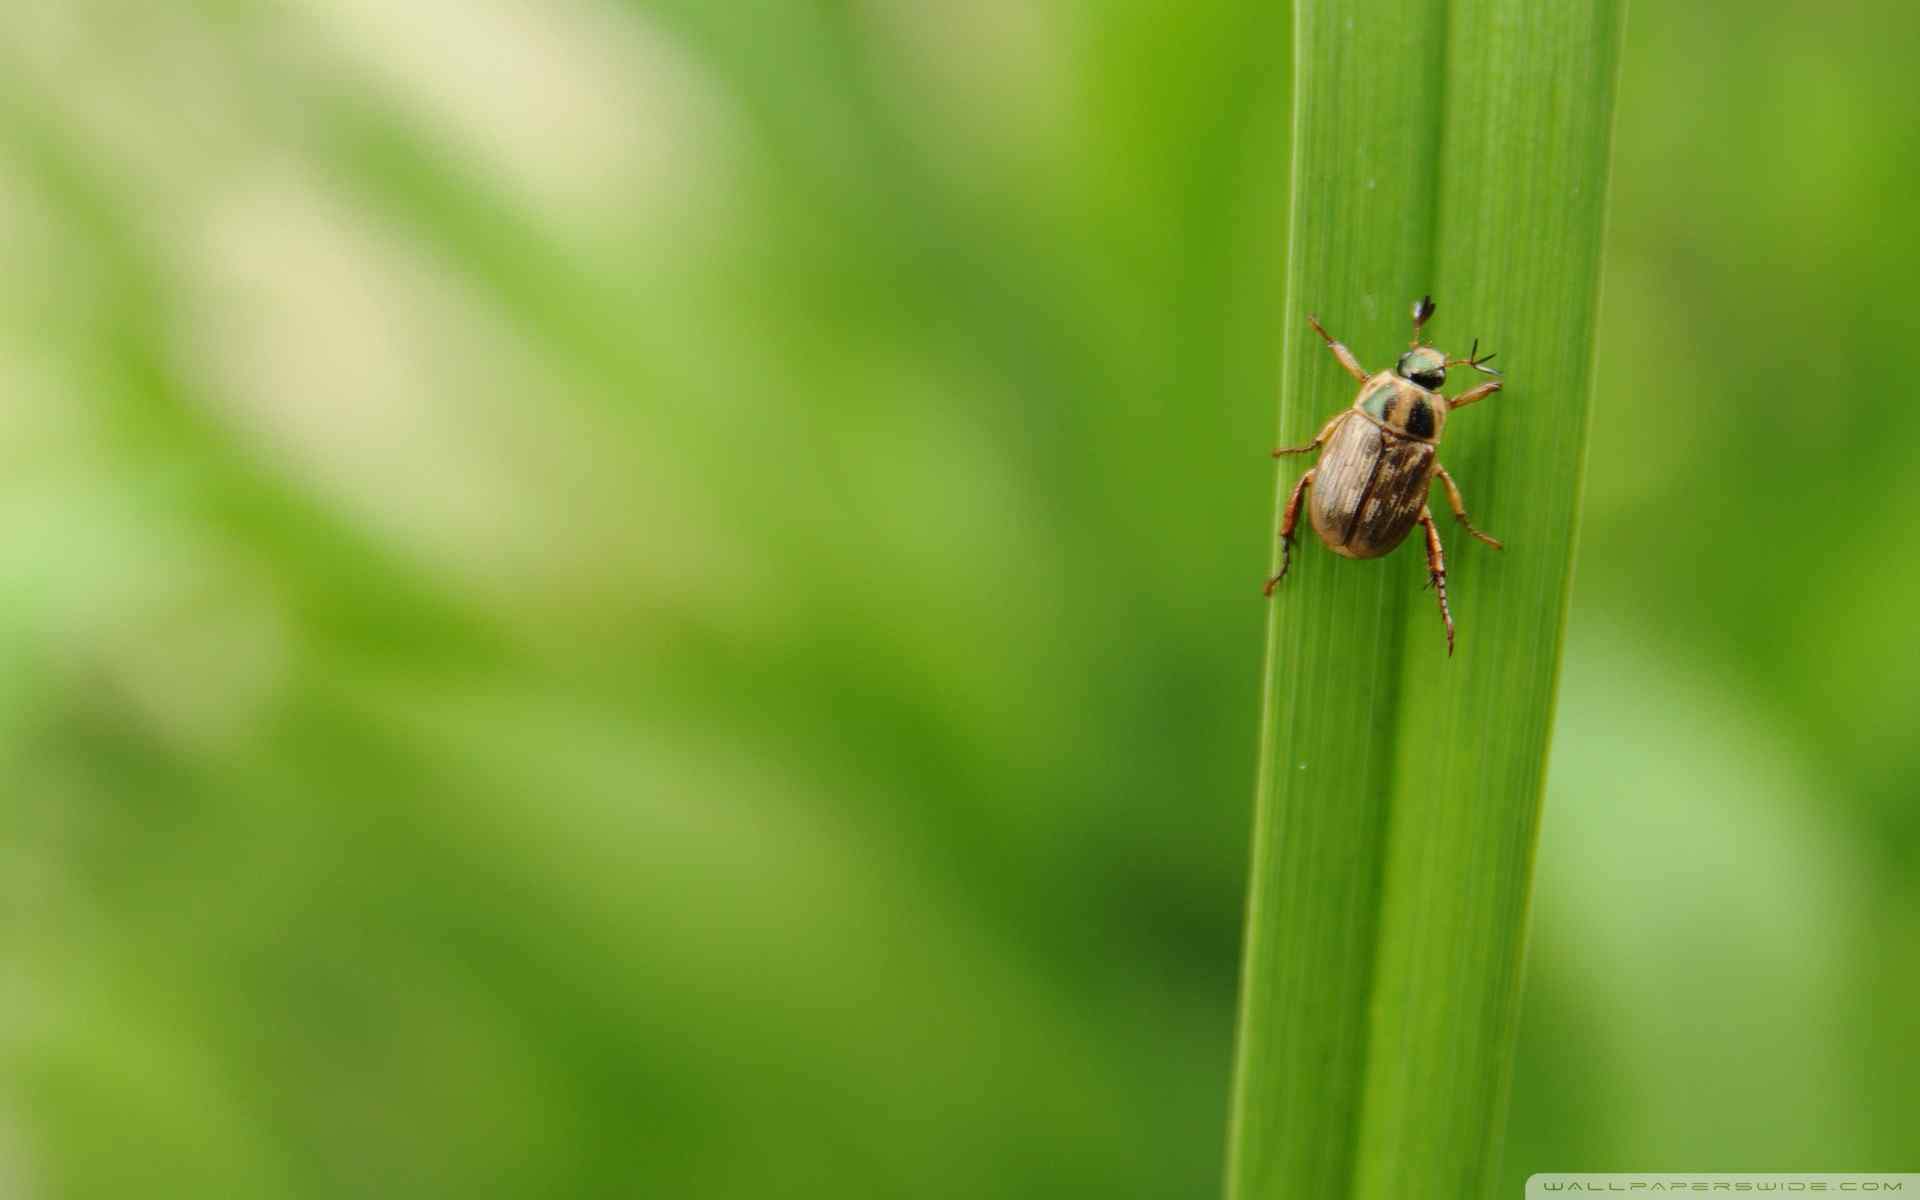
<point x="1319" y="439"/>
<point x="1459" y="507"/>
<point x="1437" y="572"/>
<point x="1289" y="519"/>
<point x="1340" y="352"/>
<point x="1473" y="394"/>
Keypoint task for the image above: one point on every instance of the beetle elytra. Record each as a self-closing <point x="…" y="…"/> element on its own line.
<point x="1380" y="456"/>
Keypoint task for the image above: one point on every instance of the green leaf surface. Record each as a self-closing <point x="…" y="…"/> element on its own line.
<point x="1460" y="149"/>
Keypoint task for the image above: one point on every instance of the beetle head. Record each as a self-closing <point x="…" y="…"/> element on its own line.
<point x="1424" y="366"/>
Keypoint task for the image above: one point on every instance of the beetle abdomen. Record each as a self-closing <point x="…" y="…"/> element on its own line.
<point x="1369" y="488"/>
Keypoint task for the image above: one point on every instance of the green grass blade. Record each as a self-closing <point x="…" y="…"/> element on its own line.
<point x="1364" y="151"/>
<point x="1460" y="148"/>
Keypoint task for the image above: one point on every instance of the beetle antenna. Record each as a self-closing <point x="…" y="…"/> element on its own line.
<point x="1422" y="313"/>
<point x="1474" y="360"/>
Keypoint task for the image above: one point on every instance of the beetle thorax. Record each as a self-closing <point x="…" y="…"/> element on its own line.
<point x="1402" y="406"/>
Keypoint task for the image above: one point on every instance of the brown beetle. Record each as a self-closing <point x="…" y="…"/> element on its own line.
<point x="1381" y="456"/>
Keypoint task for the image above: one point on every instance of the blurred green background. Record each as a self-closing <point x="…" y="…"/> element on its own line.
<point x="663" y="599"/>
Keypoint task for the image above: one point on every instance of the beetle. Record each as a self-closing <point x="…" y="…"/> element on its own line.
<point x="1381" y="456"/>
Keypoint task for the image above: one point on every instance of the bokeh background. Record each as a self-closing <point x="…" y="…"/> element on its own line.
<point x="661" y="600"/>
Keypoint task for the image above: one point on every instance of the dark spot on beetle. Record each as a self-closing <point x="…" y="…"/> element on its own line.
<point x="1420" y="420"/>
<point x="1433" y="381"/>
